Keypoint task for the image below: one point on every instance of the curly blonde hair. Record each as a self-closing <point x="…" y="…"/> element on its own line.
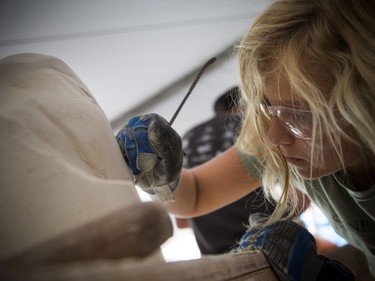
<point x="325" y="50"/>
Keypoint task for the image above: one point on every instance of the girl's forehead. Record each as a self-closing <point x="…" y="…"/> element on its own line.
<point x="308" y="77"/>
<point x="278" y="91"/>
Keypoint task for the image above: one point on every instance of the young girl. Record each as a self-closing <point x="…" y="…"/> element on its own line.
<point x="307" y="73"/>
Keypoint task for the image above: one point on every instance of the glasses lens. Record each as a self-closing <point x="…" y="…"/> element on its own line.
<point x="298" y="121"/>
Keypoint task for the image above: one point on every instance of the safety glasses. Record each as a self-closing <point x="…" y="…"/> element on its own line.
<point x="297" y="121"/>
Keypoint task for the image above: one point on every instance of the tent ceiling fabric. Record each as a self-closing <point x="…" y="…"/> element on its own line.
<point x="134" y="51"/>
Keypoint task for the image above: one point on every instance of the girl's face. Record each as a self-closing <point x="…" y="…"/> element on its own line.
<point x="297" y="150"/>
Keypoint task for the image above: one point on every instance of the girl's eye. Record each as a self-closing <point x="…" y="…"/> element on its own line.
<point x="303" y="117"/>
<point x="295" y="116"/>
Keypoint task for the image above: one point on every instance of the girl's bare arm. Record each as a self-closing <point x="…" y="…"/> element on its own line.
<point x="212" y="185"/>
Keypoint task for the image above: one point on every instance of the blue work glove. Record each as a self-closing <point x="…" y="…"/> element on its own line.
<point x="291" y="251"/>
<point x="153" y="152"/>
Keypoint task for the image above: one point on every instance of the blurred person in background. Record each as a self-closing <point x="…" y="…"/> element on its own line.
<point x="218" y="232"/>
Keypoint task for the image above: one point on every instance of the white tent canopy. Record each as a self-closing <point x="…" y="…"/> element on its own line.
<point x="135" y="56"/>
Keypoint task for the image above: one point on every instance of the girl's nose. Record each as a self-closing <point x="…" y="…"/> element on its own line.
<point x="278" y="134"/>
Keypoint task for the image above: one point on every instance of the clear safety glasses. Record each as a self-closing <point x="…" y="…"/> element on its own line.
<point x="297" y="121"/>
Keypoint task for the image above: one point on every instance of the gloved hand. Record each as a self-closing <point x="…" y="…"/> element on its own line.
<point x="291" y="251"/>
<point x="153" y="152"/>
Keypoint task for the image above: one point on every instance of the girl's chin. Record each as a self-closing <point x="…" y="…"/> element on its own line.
<point x="306" y="175"/>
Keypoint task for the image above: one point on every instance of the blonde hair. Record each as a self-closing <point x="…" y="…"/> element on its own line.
<point x="325" y="50"/>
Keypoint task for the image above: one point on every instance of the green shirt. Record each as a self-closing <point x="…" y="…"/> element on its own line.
<point x="351" y="213"/>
